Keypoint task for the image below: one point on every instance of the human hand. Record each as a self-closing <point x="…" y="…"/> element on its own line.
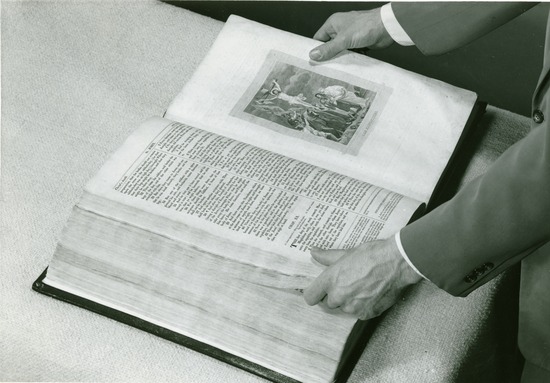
<point x="363" y="281"/>
<point x="347" y="30"/>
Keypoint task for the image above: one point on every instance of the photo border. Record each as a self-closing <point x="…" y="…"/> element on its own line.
<point x="363" y="131"/>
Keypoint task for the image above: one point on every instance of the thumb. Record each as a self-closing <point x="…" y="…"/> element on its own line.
<point x="328" y="50"/>
<point x="326" y="257"/>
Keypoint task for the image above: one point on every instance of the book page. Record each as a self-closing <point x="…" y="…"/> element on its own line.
<point x="353" y="115"/>
<point x="209" y="237"/>
<point x="245" y="194"/>
<point x="238" y="306"/>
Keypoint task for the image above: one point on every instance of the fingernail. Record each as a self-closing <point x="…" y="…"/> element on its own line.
<point x="315" y="54"/>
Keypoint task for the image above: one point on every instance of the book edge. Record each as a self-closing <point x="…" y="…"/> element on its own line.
<point x="448" y="182"/>
<point x="41" y="287"/>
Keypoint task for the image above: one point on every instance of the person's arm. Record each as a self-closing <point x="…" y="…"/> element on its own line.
<point x="435" y="28"/>
<point x="488" y="226"/>
<point x="491" y="224"/>
<point x="439" y="27"/>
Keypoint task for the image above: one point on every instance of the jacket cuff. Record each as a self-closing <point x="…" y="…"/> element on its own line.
<point x="404" y="254"/>
<point x="394" y="29"/>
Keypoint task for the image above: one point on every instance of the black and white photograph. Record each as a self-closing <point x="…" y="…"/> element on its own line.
<point x="305" y="101"/>
<point x="291" y="97"/>
<point x="274" y="191"/>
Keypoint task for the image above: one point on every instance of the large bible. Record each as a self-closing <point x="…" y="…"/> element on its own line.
<point x="198" y="228"/>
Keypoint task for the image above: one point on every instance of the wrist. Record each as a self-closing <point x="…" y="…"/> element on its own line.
<point x="384" y="38"/>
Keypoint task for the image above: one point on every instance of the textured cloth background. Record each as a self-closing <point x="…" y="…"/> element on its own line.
<point x="77" y="77"/>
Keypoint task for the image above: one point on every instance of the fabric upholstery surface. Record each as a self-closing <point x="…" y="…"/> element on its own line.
<point x="77" y="77"/>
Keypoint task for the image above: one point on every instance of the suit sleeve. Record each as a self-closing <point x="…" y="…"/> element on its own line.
<point x="437" y="28"/>
<point x="489" y="225"/>
<point x="502" y="216"/>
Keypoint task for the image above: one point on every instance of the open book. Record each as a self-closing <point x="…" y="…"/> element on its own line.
<point x="198" y="227"/>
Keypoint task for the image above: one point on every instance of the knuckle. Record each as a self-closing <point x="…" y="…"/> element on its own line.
<point x="337" y="297"/>
<point x="349" y="309"/>
<point x="333" y="301"/>
<point x="354" y="308"/>
<point x="333" y="19"/>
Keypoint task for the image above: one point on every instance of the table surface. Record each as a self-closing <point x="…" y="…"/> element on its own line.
<point x="77" y="78"/>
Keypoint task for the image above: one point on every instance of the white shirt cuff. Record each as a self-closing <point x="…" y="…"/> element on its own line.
<point x="393" y="27"/>
<point x="404" y="254"/>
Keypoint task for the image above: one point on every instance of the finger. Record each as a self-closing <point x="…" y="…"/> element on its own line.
<point x="326" y="32"/>
<point x="328" y="50"/>
<point x="354" y="308"/>
<point x="332" y="302"/>
<point x="316" y="291"/>
<point x="349" y="310"/>
<point x="327" y="257"/>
